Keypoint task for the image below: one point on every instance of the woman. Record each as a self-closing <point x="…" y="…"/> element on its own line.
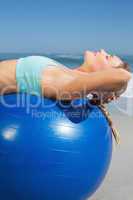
<point x="100" y="72"/>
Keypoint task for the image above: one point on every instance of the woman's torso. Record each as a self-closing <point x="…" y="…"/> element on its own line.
<point x="29" y="72"/>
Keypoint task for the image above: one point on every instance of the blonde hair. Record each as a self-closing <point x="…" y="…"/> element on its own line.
<point x="125" y="66"/>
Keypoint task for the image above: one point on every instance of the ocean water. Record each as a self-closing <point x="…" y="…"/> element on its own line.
<point x="69" y="60"/>
<point x="123" y="105"/>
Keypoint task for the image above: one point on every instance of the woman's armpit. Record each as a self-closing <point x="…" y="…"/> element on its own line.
<point x="54" y="79"/>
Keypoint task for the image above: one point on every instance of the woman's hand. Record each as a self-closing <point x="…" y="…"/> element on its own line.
<point x="114" y="80"/>
<point x="118" y="81"/>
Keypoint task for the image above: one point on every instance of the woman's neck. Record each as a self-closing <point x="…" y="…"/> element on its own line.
<point x="85" y="68"/>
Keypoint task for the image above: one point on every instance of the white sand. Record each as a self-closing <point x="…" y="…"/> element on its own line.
<point x="118" y="184"/>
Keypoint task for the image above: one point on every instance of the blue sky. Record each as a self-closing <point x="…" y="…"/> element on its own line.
<point x="66" y="26"/>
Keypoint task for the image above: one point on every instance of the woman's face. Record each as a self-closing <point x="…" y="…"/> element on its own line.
<point x="101" y="60"/>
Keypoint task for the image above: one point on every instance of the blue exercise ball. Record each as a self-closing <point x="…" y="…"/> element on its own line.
<point x="52" y="150"/>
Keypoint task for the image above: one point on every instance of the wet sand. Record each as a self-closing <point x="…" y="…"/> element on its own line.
<point x="118" y="184"/>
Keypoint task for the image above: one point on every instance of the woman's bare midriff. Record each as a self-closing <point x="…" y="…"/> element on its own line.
<point x="8" y="76"/>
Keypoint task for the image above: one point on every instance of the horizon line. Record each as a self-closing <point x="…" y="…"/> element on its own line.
<point x="59" y="53"/>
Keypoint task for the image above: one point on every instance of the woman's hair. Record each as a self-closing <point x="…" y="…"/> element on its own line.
<point x="125" y="66"/>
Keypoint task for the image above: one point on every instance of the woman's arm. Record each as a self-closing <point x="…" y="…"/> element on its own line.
<point x="64" y="83"/>
<point x="8" y="76"/>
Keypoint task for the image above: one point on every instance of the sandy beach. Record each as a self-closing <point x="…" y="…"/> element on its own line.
<point x="118" y="184"/>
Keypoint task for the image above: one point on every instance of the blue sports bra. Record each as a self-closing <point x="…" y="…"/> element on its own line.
<point x="28" y="73"/>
